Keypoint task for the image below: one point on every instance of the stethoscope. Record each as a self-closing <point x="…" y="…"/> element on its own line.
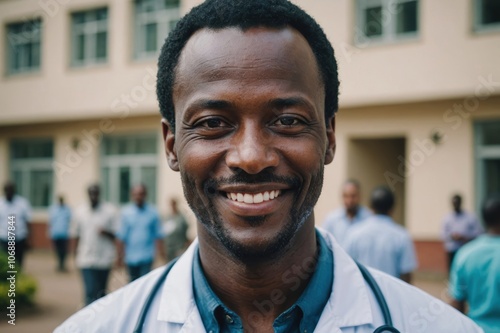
<point x="366" y="276"/>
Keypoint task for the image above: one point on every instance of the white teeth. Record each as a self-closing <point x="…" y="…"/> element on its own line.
<point x="253" y="198"/>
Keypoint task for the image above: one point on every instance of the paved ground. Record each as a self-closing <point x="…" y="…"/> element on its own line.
<point x="60" y="294"/>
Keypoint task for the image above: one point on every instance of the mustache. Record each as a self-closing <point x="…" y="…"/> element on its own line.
<point x="241" y="177"/>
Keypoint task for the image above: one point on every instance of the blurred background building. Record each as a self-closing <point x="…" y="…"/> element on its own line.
<point x="419" y="103"/>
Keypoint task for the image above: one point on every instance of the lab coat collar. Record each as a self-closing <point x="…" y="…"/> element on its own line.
<point x="349" y="304"/>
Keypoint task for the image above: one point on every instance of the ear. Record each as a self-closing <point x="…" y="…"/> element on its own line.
<point x="332" y="145"/>
<point x="169" y="140"/>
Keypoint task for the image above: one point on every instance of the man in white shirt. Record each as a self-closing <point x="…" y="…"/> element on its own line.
<point x="15" y="218"/>
<point x="94" y="229"/>
<point x="248" y="90"/>
<point x="340" y="222"/>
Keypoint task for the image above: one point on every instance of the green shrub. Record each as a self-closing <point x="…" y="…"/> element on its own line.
<point x="26" y="286"/>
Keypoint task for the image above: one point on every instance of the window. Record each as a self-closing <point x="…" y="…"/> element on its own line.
<point x="23" y="46"/>
<point x="153" y="21"/>
<point x="487" y="15"/>
<point x="89" y="37"/>
<point x="128" y="161"/>
<point x="31" y="170"/>
<point x="386" y="20"/>
<point x="487" y="159"/>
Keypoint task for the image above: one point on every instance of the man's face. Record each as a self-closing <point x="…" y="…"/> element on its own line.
<point x="351" y="197"/>
<point x="94" y="194"/>
<point x="456" y="203"/>
<point x="139" y="195"/>
<point x="9" y="191"/>
<point x="250" y="139"/>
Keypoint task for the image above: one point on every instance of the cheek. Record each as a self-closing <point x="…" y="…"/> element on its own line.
<point x="199" y="161"/>
<point x="306" y="156"/>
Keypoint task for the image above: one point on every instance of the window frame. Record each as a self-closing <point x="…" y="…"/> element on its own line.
<point x="13" y="40"/>
<point x="162" y="16"/>
<point x="89" y="29"/>
<point x="27" y="165"/>
<point x="390" y="36"/>
<point x="478" y="26"/>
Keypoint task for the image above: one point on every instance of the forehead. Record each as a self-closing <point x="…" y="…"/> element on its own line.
<point x="254" y="54"/>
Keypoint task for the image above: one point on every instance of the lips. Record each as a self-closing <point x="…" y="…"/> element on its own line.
<point x="253" y="198"/>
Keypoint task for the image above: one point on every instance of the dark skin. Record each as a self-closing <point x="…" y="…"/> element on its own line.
<point x="138" y="195"/>
<point x="252" y="108"/>
<point x="456" y="202"/>
<point x="351" y="198"/>
<point x="9" y="190"/>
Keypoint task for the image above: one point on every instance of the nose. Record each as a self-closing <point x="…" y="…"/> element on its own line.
<point x="252" y="150"/>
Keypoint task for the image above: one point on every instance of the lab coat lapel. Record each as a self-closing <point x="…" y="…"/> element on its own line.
<point x="349" y="304"/>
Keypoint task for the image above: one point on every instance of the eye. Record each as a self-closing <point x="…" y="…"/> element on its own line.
<point x="287" y="121"/>
<point x="212" y="123"/>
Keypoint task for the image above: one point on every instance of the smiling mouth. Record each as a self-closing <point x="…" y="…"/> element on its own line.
<point x="253" y="198"/>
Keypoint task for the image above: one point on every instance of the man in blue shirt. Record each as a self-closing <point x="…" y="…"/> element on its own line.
<point x="59" y="224"/>
<point x="475" y="273"/>
<point x="140" y="230"/>
<point x="380" y="243"/>
<point x="340" y="222"/>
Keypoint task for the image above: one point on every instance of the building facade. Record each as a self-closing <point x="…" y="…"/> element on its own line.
<point x="419" y="103"/>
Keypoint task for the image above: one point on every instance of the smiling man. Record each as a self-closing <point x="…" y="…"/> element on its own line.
<point x="248" y="91"/>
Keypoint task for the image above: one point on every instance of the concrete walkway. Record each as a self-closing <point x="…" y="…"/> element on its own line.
<point x="59" y="295"/>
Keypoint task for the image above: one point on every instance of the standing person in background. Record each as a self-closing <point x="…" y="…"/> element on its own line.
<point x="340" y="221"/>
<point x="381" y="243"/>
<point x="95" y="225"/>
<point x="458" y="228"/>
<point x="175" y="231"/>
<point x="140" y="230"/>
<point x="13" y="205"/>
<point x="475" y="273"/>
<point x="59" y="224"/>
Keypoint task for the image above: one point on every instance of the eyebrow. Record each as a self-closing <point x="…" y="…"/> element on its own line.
<point x="223" y="105"/>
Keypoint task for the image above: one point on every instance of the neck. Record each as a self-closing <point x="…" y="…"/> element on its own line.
<point x="248" y="287"/>
<point x="351" y="213"/>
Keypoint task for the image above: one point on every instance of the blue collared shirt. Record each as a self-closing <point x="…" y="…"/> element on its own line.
<point x="380" y="243"/>
<point x="301" y="317"/>
<point x="139" y="229"/>
<point x="339" y="224"/>
<point x="59" y="219"/>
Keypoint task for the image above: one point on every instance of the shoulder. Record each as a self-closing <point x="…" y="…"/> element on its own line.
<point x="413" y="310"/>
<point x="469" y="249"/>
<point x="116" y="312"/>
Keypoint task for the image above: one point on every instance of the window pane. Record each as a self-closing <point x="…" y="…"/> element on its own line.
<point x="23" y="45"/>
<point x="148" y="178"/>
<point x="373" y="19"/>
<point x="17" y="178"/>
<point x="406" y="17"/>
<point x="490" y="11"/>
<point x="124" y="184"/>
<point x="492" y="177"/>
<point x="80" y="47"/>
<point x="106" y="184"/>
<point x="146" y="145"/>
<point x="41" y="188"/>
<point x="101" y="48"/>
<point x="41" y="148"/>
<point x="151" y="30"/>
<point x="491" y="134"/>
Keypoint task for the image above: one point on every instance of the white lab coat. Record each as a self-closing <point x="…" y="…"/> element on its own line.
<point x="351" y="308"/>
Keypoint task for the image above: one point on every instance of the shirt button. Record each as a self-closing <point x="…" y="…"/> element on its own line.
<point x="229" y="320"/>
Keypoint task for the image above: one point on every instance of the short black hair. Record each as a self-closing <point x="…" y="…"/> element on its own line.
<point x="491" y="212"/>
<point x="245" y="14"/>
<point x="382" y="200"/>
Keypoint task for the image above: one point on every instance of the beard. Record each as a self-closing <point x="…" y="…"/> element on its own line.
<point x="209" y="217"/>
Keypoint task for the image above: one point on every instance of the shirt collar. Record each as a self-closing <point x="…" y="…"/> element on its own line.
<point x="304" y="314"/>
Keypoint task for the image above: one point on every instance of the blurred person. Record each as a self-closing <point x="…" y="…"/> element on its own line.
<point x="475" y="273"/>
<point x="248" y="92"/>
<point x="140" y="231"/>
<point x="94" y="229"/>
<point x="340" y="221"/>
<point x="380" y="242"/>
<point x="13" y="205"/>
<point x="175" y="230"/>
<point x="458" y="228"/>
<point x="59" y="225"/>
